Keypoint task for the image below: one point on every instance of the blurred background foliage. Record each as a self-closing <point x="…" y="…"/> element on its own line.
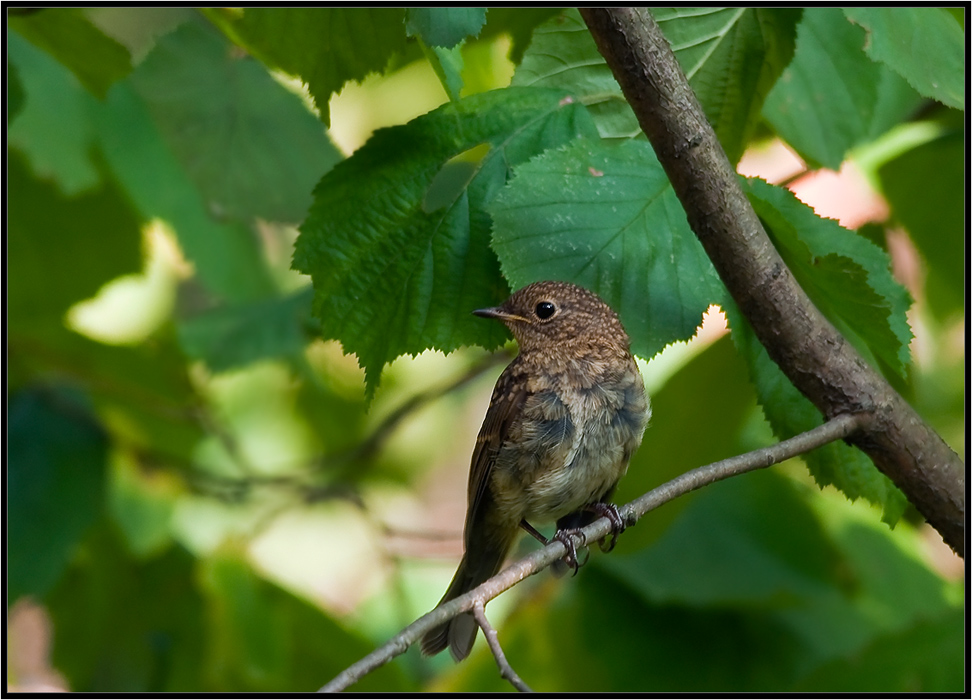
<point x="200" y="498"/>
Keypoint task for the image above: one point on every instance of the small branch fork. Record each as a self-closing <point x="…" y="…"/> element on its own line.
<point x="492" y="639"/>
<point x="839" y="427"/>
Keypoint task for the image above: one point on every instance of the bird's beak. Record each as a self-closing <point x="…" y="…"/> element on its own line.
<point x="498" y="313"/>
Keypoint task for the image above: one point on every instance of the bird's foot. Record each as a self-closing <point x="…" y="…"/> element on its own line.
<point x="611" y="512"/>
<point x="565" y="537"/>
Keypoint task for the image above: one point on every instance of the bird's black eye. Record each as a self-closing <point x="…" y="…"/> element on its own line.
<point x="545" y="310"/>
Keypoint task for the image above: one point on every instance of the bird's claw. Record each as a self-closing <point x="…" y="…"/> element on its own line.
<point x="611" y="512"/>
<point x="565" y="537"/>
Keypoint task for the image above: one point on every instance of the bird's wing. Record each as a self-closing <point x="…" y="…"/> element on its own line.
<point x="505" y="406"/>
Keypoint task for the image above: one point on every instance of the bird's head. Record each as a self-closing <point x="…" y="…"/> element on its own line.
<point x="559" y="317"/>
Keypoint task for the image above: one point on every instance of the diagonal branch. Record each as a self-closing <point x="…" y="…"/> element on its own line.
<point x="809" y="350"/>
<point x="492" y="639"/>
<point x="840" y="427"/>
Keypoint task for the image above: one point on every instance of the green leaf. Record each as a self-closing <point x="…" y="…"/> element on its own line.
<point x="63" y="249"/>
<point x="55" y="484"/>
<point x="752" y="544"/>
<point x="237" y="335"/>
<point x="912" y="608"/>
<point x="67" y="35"/>
<point x="831" y="97"/>
<point x="128" y="626"/>
<point x="923" y="44"/>
<point x="665" y="453"/>
<point x="925" y="187"/>
<point x="628" y="645"/>
<point x="54" y="129"/>
<point x="730" y="56"/>
<point x="263" y="639"/>
<point x="604" y="216"/>
<point x="447" y="64"/>
<point x="760" y="573"/>
<point x="846" y="276"/>
<point x="444" y="26"/>
<point x="790" y="413"/>
<point x="755" y="543"/>
<point x="143" y="391"/>
<point x="519" y="23"/>
<point x="326" y="47"/>
<point x="563" y="55"/>
<point x="15" y="93"/>
<point x="769" y="546"/>
<point x="928" y="657"/>
<point x="227" y="257"/>
<point x="398" y="246"/>
<point x="890" y="575"/>
<point x="141" y="502"/>
<point x="249" y="145"/>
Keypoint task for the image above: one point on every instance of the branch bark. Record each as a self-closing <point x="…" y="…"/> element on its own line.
<point x="809" y="350"/>
<point x="840" y="427"/>
<point x="492" y="639"/>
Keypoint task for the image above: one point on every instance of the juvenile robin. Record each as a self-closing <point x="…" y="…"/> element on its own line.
<point x="563" y="421"/>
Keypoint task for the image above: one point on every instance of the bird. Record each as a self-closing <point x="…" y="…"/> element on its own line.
<point x="563" y="420"/>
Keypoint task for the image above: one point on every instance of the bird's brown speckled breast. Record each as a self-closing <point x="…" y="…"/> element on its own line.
<point x="571" y="446"/>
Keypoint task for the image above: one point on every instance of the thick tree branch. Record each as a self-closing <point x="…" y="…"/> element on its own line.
<point x="837" y="428"/>
<point x="809" y="350"/>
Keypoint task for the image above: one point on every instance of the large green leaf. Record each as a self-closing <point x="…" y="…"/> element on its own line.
<point x="712" y="390"/>
<point x="754" y="543"/>
<point x="847" y="277"/>
<point x="63" y="249"/>
<point x="628" y="645"/>
<point x="832" y="97"/>
<point x="55" y="484"/>
<point x="54" y="129"/>
<point x="730" y="56"/>
<point x="563" y="55"/>
<point x="264" y="639"/>
<point x="923" y="44"/>
<point x="604" y="216"/>
<point x="444" y="26"/>
<point x="143" y="392"/>
<point x="325" y="46"/>
<point x="926" y="189"/>
<point x="67" y="35"/>
<point x="397" y="240"/>
<point x="769" y="550"/>
<point x="226" y="256"/>
<point x="929" y="657"/>
<point x="519" y="23"/>
<point x="249" y="145"/>
<point x="128" y="626"/>
<point x="233" y="336"/>
<point x="756" y="574"/>
<point x="15" y="93"/>
<point x="789" y="413"/>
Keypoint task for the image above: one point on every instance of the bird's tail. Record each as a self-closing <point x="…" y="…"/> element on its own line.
<point x="459" y="633"/>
